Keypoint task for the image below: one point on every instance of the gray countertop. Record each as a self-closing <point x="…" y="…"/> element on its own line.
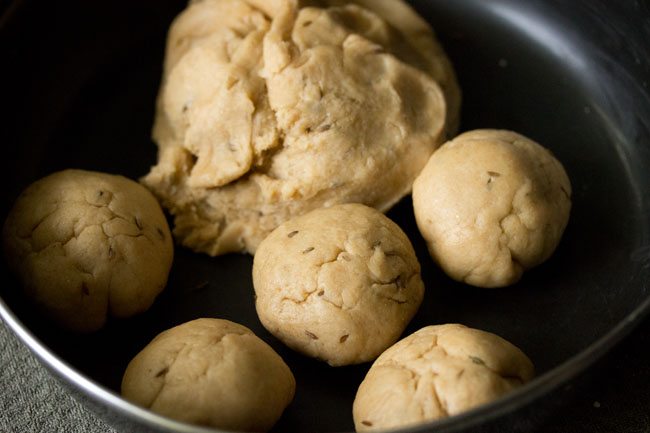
<point x="31" y="401"/>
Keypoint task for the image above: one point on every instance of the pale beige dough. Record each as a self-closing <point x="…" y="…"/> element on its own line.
<point x="268" y="113"/>
<point x="211" y="372"/>
<point x="436" y="372"/>
<point x="491" y="204"/>
<point x="88" y="245"/>
<point x="339" y="284"/>
<point x="428" y="56"/>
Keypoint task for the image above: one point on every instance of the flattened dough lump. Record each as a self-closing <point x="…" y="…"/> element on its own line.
<point x="339" y="284"/>
<point x="265" y="114"/>
<point x="437" y="372"/>
<point x="88" y="245"/>
<point x="491" y="204"/>
<point x="211" y="372"/>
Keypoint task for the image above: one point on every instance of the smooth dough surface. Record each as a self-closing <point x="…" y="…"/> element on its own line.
<point x="437" y="372"/>
<point x="339" y="284"/>
<point x="88" y="245"/>
<point x="491" y="204"/>
<point x="211" y="372"/>
<point x="269" y="110"/>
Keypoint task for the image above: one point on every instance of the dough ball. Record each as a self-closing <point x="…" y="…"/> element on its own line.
<point x="437" y="372"/>
<point x="268" y="110"/>
<point x="88" y="245"/>
<point x="491" y="204"/>
<point x="339" y="284"/>
<point x="211" y="372"/>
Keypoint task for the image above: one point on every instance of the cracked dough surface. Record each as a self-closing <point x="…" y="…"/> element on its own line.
<point x="437" y="372"/>
<point x="211" y="372"/>
<point x="339" y="284"/>
<point x="269" y="110"/>
<point x="88" y="245"/>
<point x="491" y="204"/>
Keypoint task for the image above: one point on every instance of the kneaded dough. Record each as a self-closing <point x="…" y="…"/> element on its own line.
<point x="339" y="284"/>
<point x="268" y="110"/>
<point x="491" y="204"/>
<point x="211" y="372"/>
<point x="437" y="372"/>
<point x="418" y="34"/>
<point x="88" y="245"/>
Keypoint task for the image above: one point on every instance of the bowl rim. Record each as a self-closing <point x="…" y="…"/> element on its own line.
<point x="509" y="403"/>
<point x="559" y="375"/>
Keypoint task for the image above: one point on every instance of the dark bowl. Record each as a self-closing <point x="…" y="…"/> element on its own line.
<point x="79" y="83"/>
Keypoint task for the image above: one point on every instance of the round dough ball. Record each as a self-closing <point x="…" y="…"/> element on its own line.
<point x="491" y="204"/>
<point x="339" y="284"/>
<point x="437" y="372"/>
<point x="211" y="372"/>
<point x="87" y="245"/>
<point x="268" y="110"/>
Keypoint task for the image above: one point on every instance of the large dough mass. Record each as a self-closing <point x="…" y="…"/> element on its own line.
<point x="268" y="110"/>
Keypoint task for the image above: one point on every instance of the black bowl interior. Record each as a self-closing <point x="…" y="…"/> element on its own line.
<point x="80" y="79"/>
